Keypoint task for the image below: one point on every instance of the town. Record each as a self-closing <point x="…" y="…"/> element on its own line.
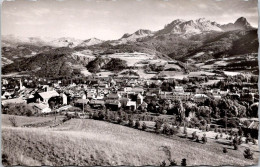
<point x="230" y="103"/>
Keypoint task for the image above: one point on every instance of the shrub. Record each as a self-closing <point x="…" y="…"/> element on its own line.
<point x="5" y="161"/>
<point x="194" y="135"/>
<point x="13" y="121"/>
<point x="173" y="130"/>
<point x="163" y="163"/>
<point x="95" y="116"/>
<point x="204" y="139"/>
<point x="216" y="137"/>
<point x="130" y="122"/>
<point x="197" y="139"/>
<point x="144" y="127"/>
<point x="207" y="128"/>
<point x="254" y="141"/>
<point x="235" y="146"/>
<point x="240" y="140"/>
<point x="119" y="120"/>
<point x="101" y="115"/>
<point x="183" y="162"/>
<point x="225" y="150"/>
<point x="173" y="162"/>
<point x="248" y="154"/>
<point x="90" y="115"/>
<point x="235" y="143"/>
<point x="240" y="131"/>
<point x="137" y="124"/>
<point x="157" y="126"/>
<point x="166" y="129"/>
<point x="185" y="130"/>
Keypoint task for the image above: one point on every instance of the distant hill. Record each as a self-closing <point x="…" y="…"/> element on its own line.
<point x="54" y="63"/>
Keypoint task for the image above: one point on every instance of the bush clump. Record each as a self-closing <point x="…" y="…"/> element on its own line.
<point x="248" y="154"/>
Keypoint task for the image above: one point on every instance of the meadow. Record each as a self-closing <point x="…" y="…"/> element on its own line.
<point x="91" y="142"/>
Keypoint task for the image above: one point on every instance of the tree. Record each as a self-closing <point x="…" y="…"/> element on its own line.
<point x="144" y="127"/>
<point x="204" y="139"/>
<point x="225" y="150"/>
<point x="157" y="126"/>
<point x="13" y="121"/>
<point x="173" y="130"/>
<point x="163" y="163"/>
<point x="137" y="124"/>
<point x="216" y="137"/>
<point x="183" y="162"/>
<point x="173" y="162"/>
<point x="130" y="122"/>
<point x="235" y="143"/>
<point x="52" y="105"/>
<point x="248" y="154"/>
<point x="185" y="131"/>
<point x="194" y="136"/>
<point x="166" y="129"/>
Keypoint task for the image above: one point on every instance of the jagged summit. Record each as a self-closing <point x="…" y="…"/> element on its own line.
<point x="240" y="24"/>
<point x="189" y="27"/>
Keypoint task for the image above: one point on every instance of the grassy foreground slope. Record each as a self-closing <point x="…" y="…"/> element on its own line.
<point x="90" y="142"/>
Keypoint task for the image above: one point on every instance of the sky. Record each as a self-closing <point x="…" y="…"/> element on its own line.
<point x="110" y="19"/>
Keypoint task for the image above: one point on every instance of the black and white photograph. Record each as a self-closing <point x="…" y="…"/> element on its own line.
<point x="129" y="83"/>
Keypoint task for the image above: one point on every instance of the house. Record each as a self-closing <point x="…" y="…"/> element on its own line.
<point x="131" y="105"/>
<point x="64" y="98"/>
<point x="123" y="101"/>
<point x="248" y="97"/>
<point x="113" y="101"/>
<point x="178" y="89"/>
<point x="13" y="101"/>
<point x="181" y="96"/>
<point x="140" y="99"/>
<point x="97" y="103"/>
<point x="138" y="90"/>
<point x="80" y="102"/>
<point x="143" y="106"/>
<point x="91" y="95"/>
<point x="40" y="108"/>
<point x="200" y="97"/>
<point x="6" y="95"/>
<point x="45" y="96"/>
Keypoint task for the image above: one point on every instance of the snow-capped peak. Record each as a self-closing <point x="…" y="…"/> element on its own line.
<point x="91" y="41"/>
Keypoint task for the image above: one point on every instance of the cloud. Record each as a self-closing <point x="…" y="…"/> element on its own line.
<point x="202" y="6"/>
<point x="41" y="11"/>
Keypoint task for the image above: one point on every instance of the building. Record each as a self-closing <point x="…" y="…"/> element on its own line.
<point x="13" y="101"/>
<point x="178" y="89"/>
<point x="97" y="103"/>
<point x="40" y="108"/>
<point x="112" y="101"/>
<point x="131" y="105"/>
<point x="181" y="96"/>
<point x="44" y="97"/>
<point x="200" y="97"/>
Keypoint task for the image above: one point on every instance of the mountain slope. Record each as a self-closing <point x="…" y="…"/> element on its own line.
<point x="240" y="24"/>
<point x="89" y="42"/>
<point x="188" y="28"/>
<point x="54" y="63"/>
<point x="229" y="43"/>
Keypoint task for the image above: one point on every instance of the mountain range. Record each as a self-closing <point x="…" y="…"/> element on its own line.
<point x="179" y="40"/>
<point x="178" y="27"/>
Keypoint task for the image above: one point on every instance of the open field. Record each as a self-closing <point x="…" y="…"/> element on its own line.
<point x="91" y="142"/>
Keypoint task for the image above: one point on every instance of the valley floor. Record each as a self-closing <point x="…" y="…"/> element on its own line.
<point x="90" y="142"/>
